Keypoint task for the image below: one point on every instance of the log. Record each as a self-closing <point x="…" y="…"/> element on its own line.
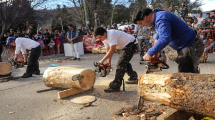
<point x="204" y="57"/>
<point x="62" y="77"/>
<point x="5" y="68"/>
<point x="190" y="92"/>
<point x="95" y="50"/>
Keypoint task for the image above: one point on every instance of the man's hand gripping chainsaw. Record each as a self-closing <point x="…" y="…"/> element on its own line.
<point x="103" y="69"/>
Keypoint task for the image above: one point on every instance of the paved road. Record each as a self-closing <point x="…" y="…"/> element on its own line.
<point x="20" y="97"/>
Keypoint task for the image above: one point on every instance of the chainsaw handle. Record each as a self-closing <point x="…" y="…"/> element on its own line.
<point x="159" y="61"/>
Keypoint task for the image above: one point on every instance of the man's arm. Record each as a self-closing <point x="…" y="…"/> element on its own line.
<point x="164" y="37"/>
<point x="109" y="59"/>
<point x="109" y="54"/>
<point x="76" y="36"/>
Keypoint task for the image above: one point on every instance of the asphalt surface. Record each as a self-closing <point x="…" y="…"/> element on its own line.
<point x="20" y="101"/>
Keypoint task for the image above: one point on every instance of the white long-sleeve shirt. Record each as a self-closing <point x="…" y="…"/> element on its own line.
<point x="25" y="43"/>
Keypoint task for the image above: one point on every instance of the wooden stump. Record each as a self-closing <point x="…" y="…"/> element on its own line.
<point x="95" y="50"/>
<point x="79" y="80"/>
<point x="204" y="57"/>
<point x="5" y="68"/>
<point x="190" y="92"/>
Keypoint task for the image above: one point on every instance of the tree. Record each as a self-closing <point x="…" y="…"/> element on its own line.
<point x="13" y="12"/>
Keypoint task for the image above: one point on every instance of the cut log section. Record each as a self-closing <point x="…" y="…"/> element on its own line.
<point x="78" y="80"/>
<point x="5" y="68"/>
<point x="204" y="57"/>
<point x="101" y="50"/>
<point x="190" y="92"/>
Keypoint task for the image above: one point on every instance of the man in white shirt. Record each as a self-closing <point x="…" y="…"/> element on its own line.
<point x="114" y="39"/>
<point x="21" y="45"/>
<point x="200" y="18"/>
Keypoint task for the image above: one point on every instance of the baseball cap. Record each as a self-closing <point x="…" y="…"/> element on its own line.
<point x="9" y="40"/>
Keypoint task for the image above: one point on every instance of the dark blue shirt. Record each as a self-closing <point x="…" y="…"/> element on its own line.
<point x="172" y="31"/>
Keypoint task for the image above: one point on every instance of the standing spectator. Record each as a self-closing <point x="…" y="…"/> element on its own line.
<point x="72" y="35"/>
<point x="57" y="42"/>
<point x="84" y="31"/>
<point x="16" y="35"/>
<point x="177" y="13"/>
<point x="51" y="46"/>
<point x="80" y="33"/>
<point x="195" y="23"/>
<point x="108" y="27"/>
<point x="115" y="24"/>
<point x="189" y="23"/>
<point x="30" y="35"/>
<point x="12" y="32"/>
<point x="47" y="37"/>
<point x="129" y="30"/>
<point x="184" y="11"/>
<point x="103" y="26"/>
<point x="62" y="40"/>
<point x="91" y="29"/>
<point x="213" y="14"/>
<point x="40" y="36"/>
<point x="22" y="34"/>
<point x="208" y="16"/>
<point x="205" y="23"/>
<point x="26" y="35"/>
<point x="200" y="18"/>
<point x="143" y="34"/>
<point x="122" y="23"/>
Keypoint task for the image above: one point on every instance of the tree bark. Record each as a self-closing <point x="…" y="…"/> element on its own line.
<point x="190" y="92"/>
<point x="5" y="68"/>
<point x="62" y="77"/>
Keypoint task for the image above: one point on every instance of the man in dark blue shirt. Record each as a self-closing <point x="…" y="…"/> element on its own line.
<point x="172" y="31"/>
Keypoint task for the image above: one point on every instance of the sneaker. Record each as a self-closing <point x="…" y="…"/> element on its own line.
<point x="25" y="75"/>
<point x="75" y="58"/>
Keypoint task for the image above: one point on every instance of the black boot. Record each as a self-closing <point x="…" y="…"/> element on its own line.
<point x="133" y="78"/>
<point x="133" y="75"/>
<point x="26" y="75"/>
<point x="114" y="86"/>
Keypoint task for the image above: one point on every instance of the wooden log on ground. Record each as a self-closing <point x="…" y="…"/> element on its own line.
<point x="95" y="50"/>
<point x="78" y="80"/>
<point x="190" y="92"/>
<point x="102" y="50"/>
<point x="204" y="57"/>
<point x="5" y="68"/>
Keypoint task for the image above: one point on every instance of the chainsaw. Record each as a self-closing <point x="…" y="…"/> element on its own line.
<point x="18" y="63"/>
<point x="103" y="69"/>
<point x="156" y="64"/>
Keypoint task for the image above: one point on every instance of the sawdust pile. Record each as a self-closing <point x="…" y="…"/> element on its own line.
<point x="149" y="112"/>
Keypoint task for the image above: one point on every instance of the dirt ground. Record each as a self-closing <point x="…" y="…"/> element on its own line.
<point x="19" y="100"/>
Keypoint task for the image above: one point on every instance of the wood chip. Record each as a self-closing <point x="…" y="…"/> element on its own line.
<point x="125" y="114"/>
<point x="11" y="112"/>
<point x="55" y="100"/>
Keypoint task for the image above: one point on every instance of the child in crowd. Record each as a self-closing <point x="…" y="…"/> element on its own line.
<point x="51" y="46"/>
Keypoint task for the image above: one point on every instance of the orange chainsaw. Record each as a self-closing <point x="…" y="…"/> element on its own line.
<point x="18" y="63"/>
<point x="103" y="69"/>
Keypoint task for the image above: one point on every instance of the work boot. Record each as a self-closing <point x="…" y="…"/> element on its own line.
<point x="26" y="75"/>
<point x="114" y="86"/>
<point x="36" y="72"/>
<point x="133" y="78"/>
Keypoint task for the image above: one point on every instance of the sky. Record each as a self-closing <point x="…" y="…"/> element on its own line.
<point x="207" y="5"/>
